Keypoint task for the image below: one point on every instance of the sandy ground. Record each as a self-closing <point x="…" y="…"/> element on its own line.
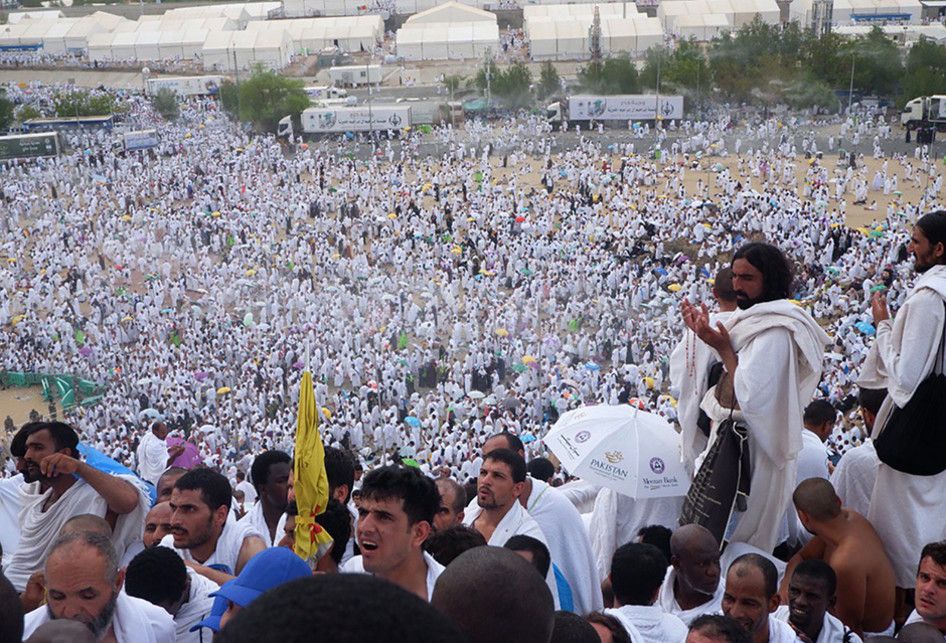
<point x="18" y="402"/>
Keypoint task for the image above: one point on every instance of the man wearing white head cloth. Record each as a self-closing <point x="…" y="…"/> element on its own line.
<point x="772" y="353"/>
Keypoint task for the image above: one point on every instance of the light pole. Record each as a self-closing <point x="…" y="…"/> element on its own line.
<point x="370" y="114"/>
<point x="489" y="78"/>
<point x="850" y="91"/>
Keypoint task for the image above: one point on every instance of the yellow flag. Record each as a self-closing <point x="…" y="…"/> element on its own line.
<point x="309" y="478"/>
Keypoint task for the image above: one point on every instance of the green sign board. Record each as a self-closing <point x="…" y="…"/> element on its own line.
<point x="28" y="146"/>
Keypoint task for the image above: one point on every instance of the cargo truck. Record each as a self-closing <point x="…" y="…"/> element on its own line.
<point x="925" y="112"/>
<point x="186" y="85"/>
<point x="621" y="108"/>
<point x="340" y="119"/>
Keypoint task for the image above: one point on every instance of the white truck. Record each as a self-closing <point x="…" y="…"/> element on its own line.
<point x="354" y="75"/>
<point x="363" y="118"/>
<point x="621" y="107"/>
<point x="322" y="92"/>
<point x="186" y="85"/>
<point x="925" y="111"/>
<point x="141" y="139"/>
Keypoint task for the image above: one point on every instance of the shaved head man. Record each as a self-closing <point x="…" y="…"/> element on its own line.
<point x="487" y="590"/>
<point x="751" y="597"/>
<point x="157" y="524"/>
<point x="452" y="503"/>
<point x="692" y="586"/>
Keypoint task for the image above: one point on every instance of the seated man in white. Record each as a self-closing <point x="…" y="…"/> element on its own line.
<point x="83" y="583"/>
<point x="159" y="576"/>
<point x="637" y="570"/>
<point x="395" y="515"/>
<point x="751" y="598"/>
<point x="812" y="591"/>
<point x="203" y="531"/>
<point x="692" y="586"/>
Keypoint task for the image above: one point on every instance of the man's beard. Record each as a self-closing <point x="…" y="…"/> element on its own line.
<point x="31" y="473"/>
<point x="744" y="303"/>
<point x="100" y="624"/>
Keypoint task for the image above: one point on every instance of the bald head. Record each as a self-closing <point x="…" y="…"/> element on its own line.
<point x="490" y="589"/>
<point x="694" y="555"/>
<point x="88" y="523"/>
<point x="817" y="499"/>
<point x="920" y="633"/>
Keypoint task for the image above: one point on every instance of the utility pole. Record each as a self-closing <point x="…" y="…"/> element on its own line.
<point x="370" y="114"/>
<point x="236" y="71"/>
<point x="850" y="91"/>
<point x="489" y="79"/>
<point x="594" y="36"/>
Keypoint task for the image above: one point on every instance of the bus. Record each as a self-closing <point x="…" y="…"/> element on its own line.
<point x="69" y="122"/>
<point x="29" y="146"/>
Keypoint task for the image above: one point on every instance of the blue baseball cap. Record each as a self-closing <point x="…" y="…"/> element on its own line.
<point x="268" y="569"/>
<point x="212" y="620"/>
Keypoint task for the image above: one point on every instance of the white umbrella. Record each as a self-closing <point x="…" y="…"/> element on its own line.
<point x="630" y="451"/>
<point x="476" y="395"/>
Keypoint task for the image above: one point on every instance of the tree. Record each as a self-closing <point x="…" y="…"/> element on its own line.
<point x="165" y="103"/>
<point x="482" y="82"/>
<point x="513" y="86"/>
<point x="925" y="71"/>
<point x="6" y="111"/>
<point x="453" y="82"/>
<point x="549" y="81"/>
<point x="823" y="58"/>
<point x="264" y="99"/>
<point x="613" y="76"/>
<point x="82" y="103"/>
<point x="27" y="112"/>
<point x="877" y="64"/>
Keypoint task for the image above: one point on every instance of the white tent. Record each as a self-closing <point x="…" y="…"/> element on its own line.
<point x="54" y="41"/>
<point x="146" y="45"/>
<point x="605" y="10"/>
<point x="100" y="47"/>
<point x="36" y="14"/>
<point x="443" y="41"/>
<point x="307" y="8"/>
<point x="216" y="51"/>
<point x="416" y="6"/>
<point x="701" y="27"/>
<point x="451" y="12"/>
<point x="123" y="45"/>
<point x="271" y="49"/>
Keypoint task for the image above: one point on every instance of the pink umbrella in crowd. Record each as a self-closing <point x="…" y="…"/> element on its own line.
<point x="191" y="456"/>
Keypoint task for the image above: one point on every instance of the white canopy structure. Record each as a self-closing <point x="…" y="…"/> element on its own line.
<point x="36" y="14"/>
<point x="451" y="31"/>
<point x="848" y="12"/>
<point x="560" y="32"/>
<point x="701" y="26"/>
<point x="350" y="33"/>
<point x="416" y="6"/>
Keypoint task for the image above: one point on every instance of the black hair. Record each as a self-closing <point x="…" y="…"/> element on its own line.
<point x="11" y="612"/>
<point x="819" y="570"/>
<point x="637" y="570"/>
<point x="157" y="575"/>
<point x="215" y="489"/>
<point x="18" y="443"/>
<point x="449" y="543"/>
<point x="541" y="559"/>
<point x="292" y="509"/>
<point x="63" y="435"/>
<point x="818" y="412"/>
<point x="764" y="565"/>
<point x="541" y="469"/>
<point x="259" y="471"/>
<point x="516" y="463"/>
<point x="490" y="590"/>
<point x="572" y="628"/>
<point x="871" y="398"/>
<point x="336" y="520"/>
<point x="717" y="626"/>
<point x="658" y="536"/>
<point x="342" y="608"/>
<point x="340" y="469"/>
<point x="933" y="226"/>
<point x="936" y="552"/>
<point x="774" y="266"/>
<point x="618" y="633"/>
<point x="513" y="441"/>
<point x="419" y="494"/>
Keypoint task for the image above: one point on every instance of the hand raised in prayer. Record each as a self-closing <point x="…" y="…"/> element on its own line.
<point x="58" y="464"/>
<point x="878" y="307"/>
<point x="697" y="319"/>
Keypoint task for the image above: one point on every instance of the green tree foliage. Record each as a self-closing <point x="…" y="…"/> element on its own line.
<point x="453" y="82"/>
<point x="27" y="112"/>
<point x="549" y="81"/>
<point x="612" y="76"/>
<point x="165" y="103"/>
<point x="82" y="103"/>
<point x="264" y="99"/>
<point x="925" y="71"/>
<point x="878" y="67"/>
<point x="824" y="58"/>
<point x="511" y="86"/>
<point x="753" y="62"/>
<point x="6" y="111"/>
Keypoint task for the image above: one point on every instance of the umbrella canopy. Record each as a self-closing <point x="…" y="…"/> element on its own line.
<point x="150" y="414"/>
<point x="412" y="420"/>
<point x="190" y="458"/>
<point x="476" y="395"/>
<point x="628" y="450"/>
